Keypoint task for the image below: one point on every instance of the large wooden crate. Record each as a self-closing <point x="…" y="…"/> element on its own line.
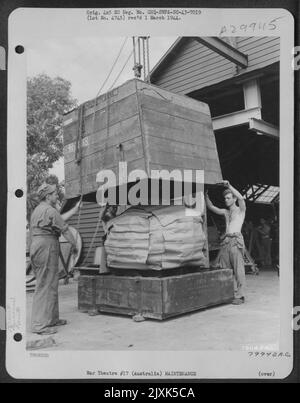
<point x="155" y="297"/>
<point x="141" y="124"/>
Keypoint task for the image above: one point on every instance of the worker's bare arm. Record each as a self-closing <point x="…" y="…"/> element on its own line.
<point x="69" y="237"/>
<point x="68" y="214"/>
<point x="213" y="208"/>
<point x="237" y="194"/>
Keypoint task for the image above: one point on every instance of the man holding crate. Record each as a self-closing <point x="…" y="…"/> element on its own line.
<point x="46" y="226"/>
<point x="232" y="245"/>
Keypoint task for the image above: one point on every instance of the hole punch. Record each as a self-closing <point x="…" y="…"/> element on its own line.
<point x="19" y="49"/>
<point x="19" y="193"/>
<point x="18" y="337"/>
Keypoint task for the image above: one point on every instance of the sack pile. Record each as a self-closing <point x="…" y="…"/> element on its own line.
<point x="156" y="238"/>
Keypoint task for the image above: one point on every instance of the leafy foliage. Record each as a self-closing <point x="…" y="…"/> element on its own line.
<point x="48" y="99"/>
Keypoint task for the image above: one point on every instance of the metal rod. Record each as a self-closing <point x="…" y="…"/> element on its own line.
<point x="134" y="50"/>
<point x="144" y="58"/>
<point x="139" y="50"/>
<point x="148" y="60"/>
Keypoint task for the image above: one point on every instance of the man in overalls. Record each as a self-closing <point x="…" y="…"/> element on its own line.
<point x="232" y="245"/>
<point x="46" y="226"/>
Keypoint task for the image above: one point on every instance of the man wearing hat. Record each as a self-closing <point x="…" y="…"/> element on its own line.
<point x="232" y="245"/>
<point x="46" y="226"/>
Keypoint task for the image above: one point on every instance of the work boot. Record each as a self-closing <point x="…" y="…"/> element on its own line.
<point x="238" y="301"/>
<point x="60" y="322"/>
<point x="47" y="331"/>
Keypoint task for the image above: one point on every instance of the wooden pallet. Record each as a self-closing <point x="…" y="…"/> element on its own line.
<point x="152" y="297"/>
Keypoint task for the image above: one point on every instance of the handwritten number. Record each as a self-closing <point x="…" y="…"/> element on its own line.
<point x="233" y="29"/>
<point x="223" y="30"/>
<point x="271" y="23"/>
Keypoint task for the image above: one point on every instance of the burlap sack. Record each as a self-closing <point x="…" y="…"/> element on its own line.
<point x="156" y="238"/>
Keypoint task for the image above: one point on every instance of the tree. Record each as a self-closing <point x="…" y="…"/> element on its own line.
<point x="47" y="101"/>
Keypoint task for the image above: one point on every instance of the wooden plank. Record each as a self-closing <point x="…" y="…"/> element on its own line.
<point x="168" y="119"/>
<point x="184" y="162"/>
<point x="259" y="44"/>
<point x="90" y="207"/>
<point x="87" y="241"/>
<point x="172" y="128"/>
<point x="245" y="39"/>
<point x="186" y="102"/>
<point x="115" y="95"/>
<point x="87" y="216"/>
<point x="266" y="61"/>
<point x="117" y="134"/>
<point x="89" y="183"/>
<point x="180" y="149"/>
<point x="132" y="149"/>
<point x="123" y="109"/>
<point x="70" y="132"/>
<point x="87" y="291"/>
<point x="266" y="58"/>
<point x="193" y="291"/>
<point x="197" y="59"/>
<point x="102" y="159"/>
<point x="101" y="146"/>
<point x="269" y="50"/>
<point x="192" y="46"/>
<point x="163" y="106"/>
<point x="191" y="137"/>
<point x="224" y="49"/>
<point x="86" y="221"/>
<point x="195" y="83"/>
<point x="197" y="68"/>
<point x="248" y="40"/>
<point x="188" y="53"/>
<point x="117" y="112"/>
<point x="210" y="62"/>
<point x="210" y="176"/>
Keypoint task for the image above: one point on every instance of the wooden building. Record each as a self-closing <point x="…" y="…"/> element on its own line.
<point x="239" y="79"/>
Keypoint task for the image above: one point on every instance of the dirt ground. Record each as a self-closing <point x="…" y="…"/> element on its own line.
<point x="225" y="327"/>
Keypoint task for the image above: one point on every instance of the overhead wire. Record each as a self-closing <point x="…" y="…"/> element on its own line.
<point x="105" y="81"/>
<point x="113" y="66"/>
<point x="125" y="64"/>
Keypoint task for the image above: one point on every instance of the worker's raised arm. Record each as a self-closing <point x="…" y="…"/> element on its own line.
<point x="68" y="214"/>
<point x="213" y="208"/>
<point x="236" y="193"/>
